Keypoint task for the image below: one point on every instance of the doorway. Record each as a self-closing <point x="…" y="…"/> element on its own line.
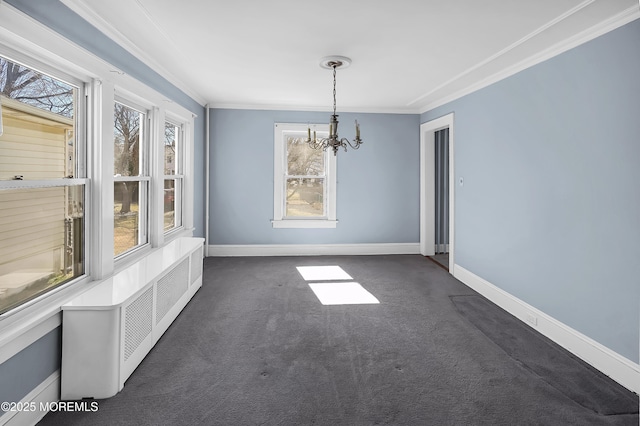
<point x="437" y="191"/>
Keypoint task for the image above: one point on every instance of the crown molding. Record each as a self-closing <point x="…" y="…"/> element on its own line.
<point x="89" y="15"/>
<point x="24" y="39"/>
<point x="275" y="107"/>
<point x="420" y="104"/>
<point x="616" y="21"/>
<point x="506" y="50"/>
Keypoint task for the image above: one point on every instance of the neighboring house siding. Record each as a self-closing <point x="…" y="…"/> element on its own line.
<point x="34" y="142"/>
<point x="31" y="229"/>
<point x="32" y="221"/>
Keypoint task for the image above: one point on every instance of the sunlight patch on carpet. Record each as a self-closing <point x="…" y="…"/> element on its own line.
<point x="342" y="294"/>
<point x="321" y="273"/>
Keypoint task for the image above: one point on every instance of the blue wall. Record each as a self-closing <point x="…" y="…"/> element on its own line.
<point x="550" y="207"/>
<point x="17" y="380"/>
<point x="377" y="191"/>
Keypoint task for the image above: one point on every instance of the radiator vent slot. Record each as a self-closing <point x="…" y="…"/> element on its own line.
<point x="170" y="288"/>
<point x="196" y="265"/>
<point x="137" y="322"/>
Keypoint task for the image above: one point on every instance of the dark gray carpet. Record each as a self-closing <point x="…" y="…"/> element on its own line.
<point x="255" y="347"/>
<point x="545" y="359"/>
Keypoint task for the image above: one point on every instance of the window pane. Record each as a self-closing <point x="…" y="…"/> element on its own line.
<point x="302" y="160"/>
<point x="171" y="149"/>
<point x="41" y="241"/>
<point x="127" y="137"/>
<point x="38" y="124"/>
<point x="126" y="216"/>
<point x="305" y="197"/>
<point x="169" y="204"/>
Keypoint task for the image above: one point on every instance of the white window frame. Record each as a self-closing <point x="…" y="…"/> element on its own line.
<point x="178" y="176"/>
<point x="280" y="220"/>
<point x="144" y="206"/>
<point x="27" y="41"/>
<point x="18" y="313"/>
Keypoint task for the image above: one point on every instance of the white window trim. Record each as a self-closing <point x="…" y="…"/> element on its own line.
<point x="78" y="177"/>
<point x="26" y="323"/>
<point x="144" y="191"/>
<point x="179" y="175"/>
<point x="100" y="160"/>
<point x="279" y="170"/>
<point x="26" y="40"/>
<point x="188" y="154"/>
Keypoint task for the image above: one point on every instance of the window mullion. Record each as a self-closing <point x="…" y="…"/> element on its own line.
<point x="156" y="171"/>
<point x="100" y="131"/>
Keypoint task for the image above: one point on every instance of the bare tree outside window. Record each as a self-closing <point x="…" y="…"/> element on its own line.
<point x="302" y="159"/>
<point x="127" y="150"/>
<point x="127" y="125"/>
<point x="36" y="89"/>
<point x="305" y="182"/>
<point x="170" y="148"/>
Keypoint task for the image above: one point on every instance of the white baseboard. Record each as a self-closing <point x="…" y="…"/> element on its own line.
<point x="614" y="365"/>
<point x="46" y="392"/>
<point x="313" y="249"/>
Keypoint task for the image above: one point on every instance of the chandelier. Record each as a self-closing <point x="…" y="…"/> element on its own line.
<point x="333" y="141"/>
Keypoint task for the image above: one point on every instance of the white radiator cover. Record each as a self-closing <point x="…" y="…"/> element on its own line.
<point x="108" y="330"/>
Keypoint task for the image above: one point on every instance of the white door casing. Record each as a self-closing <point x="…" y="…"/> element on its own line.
<point x="427" y="186"/>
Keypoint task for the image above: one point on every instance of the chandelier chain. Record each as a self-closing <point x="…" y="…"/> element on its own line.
<point x="334" y="89"/>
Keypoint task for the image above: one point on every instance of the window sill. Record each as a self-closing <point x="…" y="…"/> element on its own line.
<point x="25" y="324"/>
<point x="304" y="223"/>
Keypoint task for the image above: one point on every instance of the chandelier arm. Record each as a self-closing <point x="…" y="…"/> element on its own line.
<point x="356" y="141"/>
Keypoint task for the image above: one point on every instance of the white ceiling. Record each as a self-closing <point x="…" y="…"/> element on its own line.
<point x="407" y="55"/>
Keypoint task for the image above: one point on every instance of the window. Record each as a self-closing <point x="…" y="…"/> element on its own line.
<point x="304" y="179"/>
<point x="173" y="176"/>
<point x="82" y="175"/>
<point x="131" y="179"/>
<point x="42" y="187"/>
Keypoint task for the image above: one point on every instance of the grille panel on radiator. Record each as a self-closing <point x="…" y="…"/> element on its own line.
<point x="170" y="288"/>
<point x="137" y="322"/>
<point x="196" y="265"/>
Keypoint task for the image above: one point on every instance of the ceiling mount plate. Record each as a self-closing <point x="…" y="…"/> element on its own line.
<point x="338" y="61"/>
